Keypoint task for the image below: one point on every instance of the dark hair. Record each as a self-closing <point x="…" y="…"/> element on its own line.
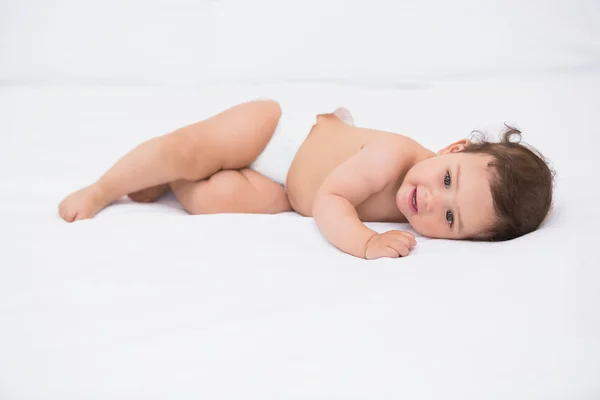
<point x="521" y="185"/>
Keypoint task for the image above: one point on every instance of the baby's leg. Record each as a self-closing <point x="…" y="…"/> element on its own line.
<point x="150" y="194"/>
<point x="232" y="139"/>
<point x="229" y="191"/>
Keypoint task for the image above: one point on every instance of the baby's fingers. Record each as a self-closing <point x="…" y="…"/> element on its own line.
<point x="400" y="247"/>
<point x="380" y="252"/>
<point x="405" y="237"/>
<point x="412" y="241"/>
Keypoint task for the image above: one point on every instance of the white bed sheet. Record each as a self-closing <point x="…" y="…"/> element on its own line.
<point x="146" y="302"/>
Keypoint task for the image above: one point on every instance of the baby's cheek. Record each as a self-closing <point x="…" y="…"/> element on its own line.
<point x="426" y="226"/>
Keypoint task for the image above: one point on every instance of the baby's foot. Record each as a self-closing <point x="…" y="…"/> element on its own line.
<point x="149" y="195"/>
<point x="83" y="204"/>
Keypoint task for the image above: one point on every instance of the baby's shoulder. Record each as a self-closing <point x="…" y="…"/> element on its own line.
<point x="397" y="146"/>
<point x="387" y="156"/>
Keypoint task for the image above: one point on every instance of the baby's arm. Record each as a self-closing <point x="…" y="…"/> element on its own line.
<point x="367" y="172"/>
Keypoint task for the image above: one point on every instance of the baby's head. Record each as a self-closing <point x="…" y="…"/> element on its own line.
<point x="478" y="191"/>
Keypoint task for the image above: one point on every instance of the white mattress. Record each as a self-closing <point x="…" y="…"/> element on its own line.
<point x="146" y="302"/>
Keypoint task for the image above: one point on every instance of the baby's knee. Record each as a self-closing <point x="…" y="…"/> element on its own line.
<point x="215" y="195"/>
<point x="270" y="113"/>
<point x="270" y="107"/>
<point x="178" y="152"/>
<point x="187" y="156"/>
<point x="223" y="187"/>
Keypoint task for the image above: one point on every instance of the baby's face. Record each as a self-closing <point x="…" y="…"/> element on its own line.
<point x="448" y="196"/>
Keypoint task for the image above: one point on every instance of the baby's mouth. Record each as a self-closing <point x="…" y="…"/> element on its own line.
<point x="414" y="200"/>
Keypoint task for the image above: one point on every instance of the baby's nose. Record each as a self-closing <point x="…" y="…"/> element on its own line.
<point x="428" y="200"/>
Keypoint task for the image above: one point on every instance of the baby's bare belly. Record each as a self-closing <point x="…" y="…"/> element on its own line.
<point x="330" y="143"/>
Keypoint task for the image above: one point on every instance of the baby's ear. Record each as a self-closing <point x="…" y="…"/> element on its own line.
<point x="454" y="147"/>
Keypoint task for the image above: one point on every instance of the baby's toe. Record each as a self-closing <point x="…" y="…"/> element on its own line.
<point x="68" y="215"/>
<point x="72" y="216"/>
<point x="63" y="210"/>
<point x="66" y="212"/>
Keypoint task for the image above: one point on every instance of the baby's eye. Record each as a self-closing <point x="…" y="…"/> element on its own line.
<point x="449" y="217"/>
<point x="447" y="180"/>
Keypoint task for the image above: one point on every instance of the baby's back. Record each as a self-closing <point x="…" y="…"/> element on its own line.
<point x="330" y="143"/>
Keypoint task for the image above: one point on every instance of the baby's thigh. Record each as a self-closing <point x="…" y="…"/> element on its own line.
<point x="232" y="191"/>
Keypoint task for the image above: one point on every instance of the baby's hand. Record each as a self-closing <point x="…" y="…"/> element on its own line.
<point x="391" y="244"/>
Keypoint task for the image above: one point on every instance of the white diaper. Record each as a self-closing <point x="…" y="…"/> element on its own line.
<point x="293" y="128"/>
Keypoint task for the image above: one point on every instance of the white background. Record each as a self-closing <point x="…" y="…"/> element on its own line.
<point x="147" y="302"/>
<point x="371" y="42"/>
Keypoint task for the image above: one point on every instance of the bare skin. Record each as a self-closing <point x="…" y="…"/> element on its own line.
<point x="150" y="194"/>
<point x="329" y="143"/>
<point x="342" y="175"/>
<point x="204" y="164"/>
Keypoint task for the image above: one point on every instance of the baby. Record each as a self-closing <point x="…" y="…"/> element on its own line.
<point x="340" y="174"/>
